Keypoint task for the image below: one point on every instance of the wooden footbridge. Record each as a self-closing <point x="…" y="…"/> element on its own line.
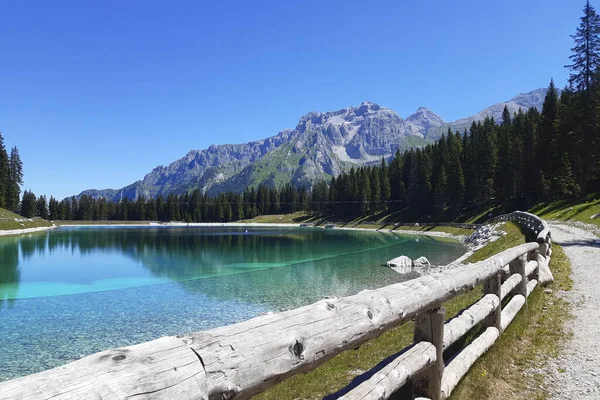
<point x="241" y="360"/>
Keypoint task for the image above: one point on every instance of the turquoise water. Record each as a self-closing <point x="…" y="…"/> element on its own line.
<point x="74" y="291"/>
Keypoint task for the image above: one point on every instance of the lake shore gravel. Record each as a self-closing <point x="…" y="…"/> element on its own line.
<point x="9" y="232"/>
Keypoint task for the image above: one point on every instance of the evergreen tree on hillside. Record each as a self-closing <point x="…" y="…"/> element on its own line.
<point x="547" y="155"/>
<point x="506" y="119"/>
<point x="439" y="179"/>
<point x="28" y="204"/>
<point x="423" y="193"/>
<point x="4" y="173"/>
<point x="384" y="179"/>
<point x="53" y="208"/>
<point x="584" y="81"/>
<point x="586" y="53"/>
<point x="565" y="159"/>
<point x="456" y="177"/>
<point x="468" y="162"/>
<point x="397" y="184"/>
<point x="42" y="207"/>
<point x="15" y="180"/>
<point x="375" y="192"/>
<point x="505" y="175"/>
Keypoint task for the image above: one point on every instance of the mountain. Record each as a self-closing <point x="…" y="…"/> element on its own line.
<point x="524" y="101"/>
<point x="321" y="146"/>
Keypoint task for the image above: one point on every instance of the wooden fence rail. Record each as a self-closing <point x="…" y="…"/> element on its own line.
<point x="241" y="360"/>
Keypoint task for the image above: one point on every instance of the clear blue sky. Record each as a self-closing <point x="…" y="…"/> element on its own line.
<point x="97" y="93"/>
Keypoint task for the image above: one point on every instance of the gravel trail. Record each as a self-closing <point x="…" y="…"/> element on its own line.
<point x="576" y="373"/>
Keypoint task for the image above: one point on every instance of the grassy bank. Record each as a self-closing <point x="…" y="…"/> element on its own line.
<point x="535" y="332"/>
<point x="581" y="211"/>
<point x="362" y="223"/>
<point x="23" y="223"/>
<point x="8" y="214"/>
<point x="102" y="222"/>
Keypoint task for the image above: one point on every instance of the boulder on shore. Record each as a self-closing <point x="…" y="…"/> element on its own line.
<point x="402" y="264"/>
<point x="544" y="274"/>
<point x="421" y="262"/>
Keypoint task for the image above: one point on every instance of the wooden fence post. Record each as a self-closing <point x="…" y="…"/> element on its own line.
<point x="494" y="286"/>
<point x="517" y="266"/>
<point x="533" y="256"/>
<point x="429" y="327"/>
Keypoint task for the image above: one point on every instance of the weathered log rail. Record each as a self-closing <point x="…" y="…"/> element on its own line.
<point x="244" y="359"/>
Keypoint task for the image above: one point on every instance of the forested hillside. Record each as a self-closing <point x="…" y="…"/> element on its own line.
<point x="11" y="178"/>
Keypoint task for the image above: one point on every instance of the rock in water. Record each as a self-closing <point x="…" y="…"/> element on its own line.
<point x="402" y="264"/>
<point x="421" y="262"/>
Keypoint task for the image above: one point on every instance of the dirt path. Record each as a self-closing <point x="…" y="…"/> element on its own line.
<point x="576" y="374"/>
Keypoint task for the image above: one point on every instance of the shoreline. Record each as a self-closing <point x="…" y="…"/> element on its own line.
<point x="459" y="238"/>
<point x="16" y="232"/>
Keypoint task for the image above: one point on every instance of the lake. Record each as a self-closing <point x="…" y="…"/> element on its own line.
<point x="74" y="291"/>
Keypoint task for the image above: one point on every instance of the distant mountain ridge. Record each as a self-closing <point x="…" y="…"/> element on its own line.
<point x="321" y="146"/>
<point x="523" y="101"/>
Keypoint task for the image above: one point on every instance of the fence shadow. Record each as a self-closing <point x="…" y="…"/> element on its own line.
<point x="367" y="375"/>
<point x="585" y="243"/>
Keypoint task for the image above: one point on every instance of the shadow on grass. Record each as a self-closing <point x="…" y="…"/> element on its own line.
<point x="403" y="393"/>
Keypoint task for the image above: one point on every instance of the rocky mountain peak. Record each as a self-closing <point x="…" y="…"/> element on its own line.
<point x="366" y="107"/>
<point x="423" y="120"/>
<point x="322" y="145"/>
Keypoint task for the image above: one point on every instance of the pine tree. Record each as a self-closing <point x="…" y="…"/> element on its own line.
<point x="375" y="195"/>
<point x="15" y="180"/>
<point x="4" y="173"/>
<point x="469" y="166"/>
<point x="53" y="208"/>
<point x="238" y="209"/>
<point x="586" y="53"/>
<point x="547" y="158"/>
<point x="384" y="179"/>
<point x="564" y="149"/>
<point x="42" y="207"/>
<point x="28" y="204"/>
<point x="584" y="81"/>
<point x="456" y="177"/>
<point x="397" y="185"/>
<point x="487" y="155"/>
<point x="423" y="200"/>
<point x="506" y="119"/>
<point x="505" y="182"/>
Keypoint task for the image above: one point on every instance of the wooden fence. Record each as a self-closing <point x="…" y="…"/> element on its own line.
<point x="244" y="359"/>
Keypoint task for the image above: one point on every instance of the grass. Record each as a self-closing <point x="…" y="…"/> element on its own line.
<point x="536" y="331"/>
<point x="278" y="218"/>
<point x="102" y="222"/>
<point x="379" y="223"/>
<point x="8" y="214"/>
<point x="571" y="210"/>
<point x="23" y="223"/>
